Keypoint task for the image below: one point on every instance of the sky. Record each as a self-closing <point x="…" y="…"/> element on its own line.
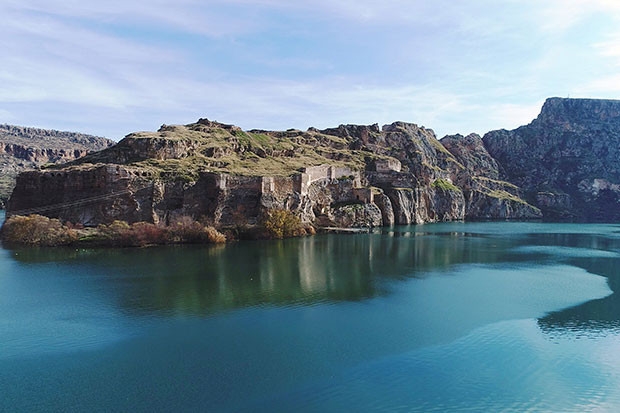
<point x="114" y="67"/>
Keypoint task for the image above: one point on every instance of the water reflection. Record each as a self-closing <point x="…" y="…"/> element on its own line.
<point x="593" y="318"/>
<point x="597" y="253"/>
<point x="198" y="280"/>
<point x="203" y="279"/>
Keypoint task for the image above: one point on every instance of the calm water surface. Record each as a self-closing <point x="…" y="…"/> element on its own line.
<point x="443" y="317"/>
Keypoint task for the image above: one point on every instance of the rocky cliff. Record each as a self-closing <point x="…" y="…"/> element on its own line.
<point x="564" y="165"/>
<point x="486" y="195"/>
<point x="567" y="160"/>
<point x="24" y="149"/>
<point x="351" y="175"/>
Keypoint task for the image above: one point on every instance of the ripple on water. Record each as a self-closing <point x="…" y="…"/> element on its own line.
<point x="508" y="366"/>
<point x="566" y="252"/>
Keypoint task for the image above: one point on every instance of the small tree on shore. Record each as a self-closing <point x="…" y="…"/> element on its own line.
<point x="282" y="223"/>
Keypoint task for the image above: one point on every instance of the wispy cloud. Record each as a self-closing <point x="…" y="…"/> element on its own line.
<point x="118" y="65"/>
<point x="208" y="17"/>
<point x="606" y="86"/>
<point x="561" y="15"/>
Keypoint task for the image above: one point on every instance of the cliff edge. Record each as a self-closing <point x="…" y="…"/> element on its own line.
<point x="567" y="160"/>
<point x="348" y="176"/>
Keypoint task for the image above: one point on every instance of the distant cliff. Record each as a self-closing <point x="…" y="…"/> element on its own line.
<point x="567" y="161"/>
<point x="349" y="176"/>
<point x="23" y="148"/>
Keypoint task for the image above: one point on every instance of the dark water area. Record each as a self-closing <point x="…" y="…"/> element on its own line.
<point x="442" y="317"/>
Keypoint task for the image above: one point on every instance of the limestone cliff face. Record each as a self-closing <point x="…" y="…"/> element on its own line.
<point x="563" y="165"/>
<point x="486" y="196"/>
<point x="567" y="160"/>
<point x="23" y="148"/>
<point x="412" y="160"/>
<point x="346" y="176"/>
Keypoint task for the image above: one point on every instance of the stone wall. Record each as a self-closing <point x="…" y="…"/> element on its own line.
<point x="388" y="165"/>
<point x="325" y="172"/>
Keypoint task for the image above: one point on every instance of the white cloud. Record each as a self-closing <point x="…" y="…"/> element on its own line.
<point x="203" y="17"/>
<point x="607" y="86"/>
<point x="560" y="15"/>
<point x="451" y="66"/>
<point x="609" y="48"/>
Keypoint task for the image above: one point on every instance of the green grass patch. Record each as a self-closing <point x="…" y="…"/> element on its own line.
<point x="495" y="181"/>
<point x="505" y="195"/>
<point x="445" y="185"/>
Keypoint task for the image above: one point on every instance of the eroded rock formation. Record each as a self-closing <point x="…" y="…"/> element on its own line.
<point x="567" y="161"/>
<point x="23" y="148"/>
<point x="350" y="176"/>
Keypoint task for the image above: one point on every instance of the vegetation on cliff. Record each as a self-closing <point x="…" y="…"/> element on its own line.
<point x="445" y="185"/>
<point x="186" y="150"/>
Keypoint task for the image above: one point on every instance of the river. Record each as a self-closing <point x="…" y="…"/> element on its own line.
<point x="441" y="317"/>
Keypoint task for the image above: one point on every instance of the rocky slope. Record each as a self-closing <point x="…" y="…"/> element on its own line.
<point x="24" y="148"/>
<point x="346" y="176"/>
<point x="486" y="195"/>
<point x="567" y="160"/>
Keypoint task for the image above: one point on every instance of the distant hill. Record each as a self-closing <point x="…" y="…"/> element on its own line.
<point x="24" y="148"/>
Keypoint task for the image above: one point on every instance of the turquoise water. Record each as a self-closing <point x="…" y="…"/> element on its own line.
<point x="442" y="317"/>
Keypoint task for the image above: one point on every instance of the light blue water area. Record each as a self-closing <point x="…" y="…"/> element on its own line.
<point x="445" y="317"/>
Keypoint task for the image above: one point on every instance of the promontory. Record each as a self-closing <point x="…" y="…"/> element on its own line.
<point x="563" y="165"/>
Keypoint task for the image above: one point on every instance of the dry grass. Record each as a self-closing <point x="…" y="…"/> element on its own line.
<point x="232" y="151"/>
<point x="37" y="230"/>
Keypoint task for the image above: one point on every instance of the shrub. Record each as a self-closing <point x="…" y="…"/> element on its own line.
<point x="43" y="231"/>
<point x="118" y="233"/>
<point x="214" y="236"/>
<point x="185" y="229"/>
<point x="145" y="233"/>
<point x="282" y="223"/>
<point x="37" y="230"/>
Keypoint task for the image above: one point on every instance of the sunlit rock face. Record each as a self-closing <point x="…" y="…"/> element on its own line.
<point x="567" y="161"/>
<point x="486" y="195"/>
<point x="349" y="176"/>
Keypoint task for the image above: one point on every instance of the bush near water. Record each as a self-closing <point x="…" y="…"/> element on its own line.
<point x="38" y="230"/>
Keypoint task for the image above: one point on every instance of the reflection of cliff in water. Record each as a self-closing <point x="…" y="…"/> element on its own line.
<point x="593" y="317"/>
<point x="306" y="270"/>
<point x="203" y="279"/>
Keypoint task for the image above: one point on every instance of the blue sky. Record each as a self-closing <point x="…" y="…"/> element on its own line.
<point x="118" y="66"/>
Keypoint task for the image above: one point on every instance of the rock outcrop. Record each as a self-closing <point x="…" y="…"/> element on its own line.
<point x="486" y="196"/>
<point x="564" y="165"/>
<point x="24" y="149"/>
<point x="350" y="176"/>
<point x="567" y="160"/>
